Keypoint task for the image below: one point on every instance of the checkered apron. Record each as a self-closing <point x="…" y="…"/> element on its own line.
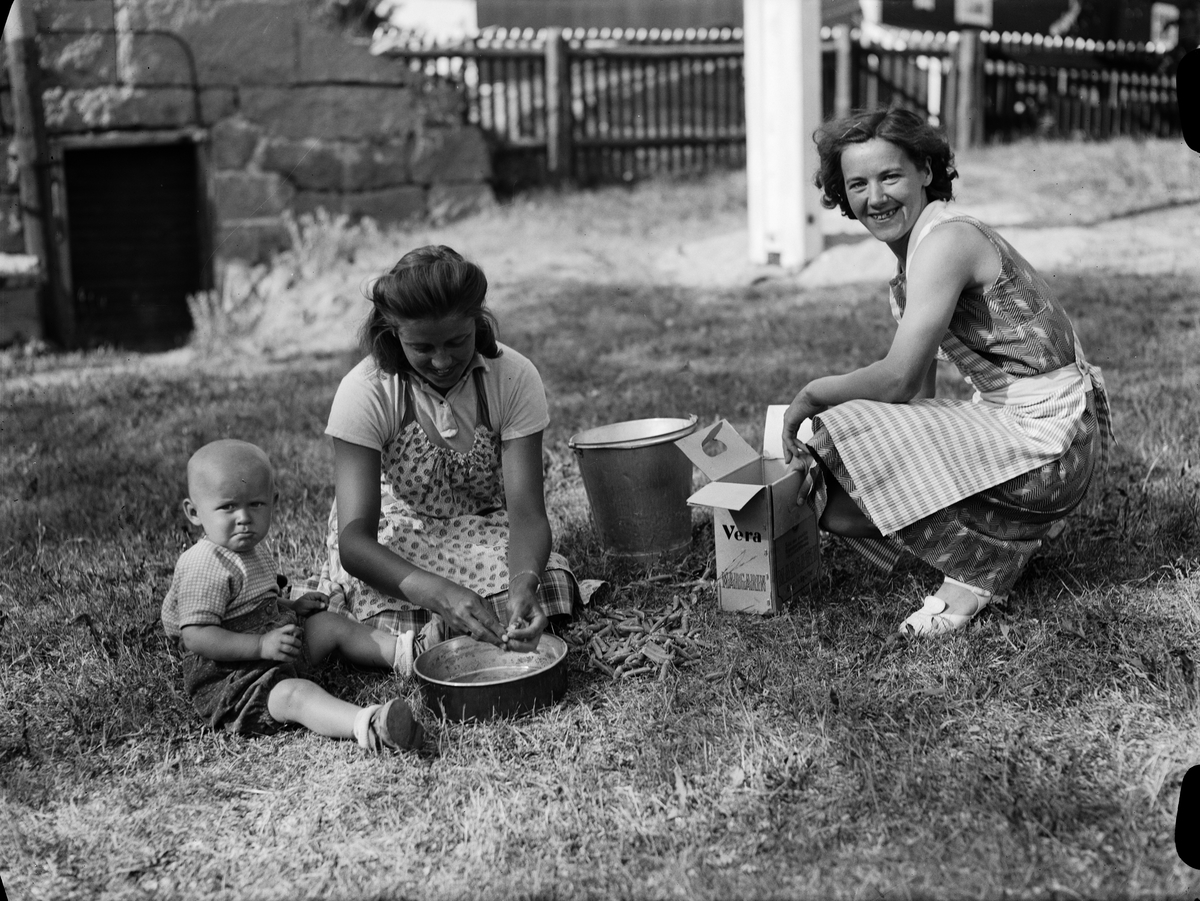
<point x="441" y="510"/>
<point x="972" y="487"/>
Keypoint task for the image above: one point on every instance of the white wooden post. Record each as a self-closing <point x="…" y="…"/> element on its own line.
<point x="970" y="16"/>
<point x="782" y="40"/>
<point x="558" y="107"/>
<point x="844" y="73"/>
<point x="969" y="115"/>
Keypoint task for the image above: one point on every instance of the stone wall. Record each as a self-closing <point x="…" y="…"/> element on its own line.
<point x="297" y="115"/>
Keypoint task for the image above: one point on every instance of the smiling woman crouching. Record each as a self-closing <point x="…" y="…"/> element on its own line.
<point x="971" y="487"/>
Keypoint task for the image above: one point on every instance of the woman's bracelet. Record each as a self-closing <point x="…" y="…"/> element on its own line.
<point x="534" y="573"/>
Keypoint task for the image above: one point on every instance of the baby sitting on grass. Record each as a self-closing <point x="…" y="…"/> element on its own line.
<point x="247" y="651"/>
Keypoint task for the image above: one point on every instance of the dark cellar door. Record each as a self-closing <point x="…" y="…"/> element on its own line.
<point x="134" y="220"/>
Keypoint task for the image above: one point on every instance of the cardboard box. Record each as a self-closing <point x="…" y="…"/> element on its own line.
<point x="768" y="549"/>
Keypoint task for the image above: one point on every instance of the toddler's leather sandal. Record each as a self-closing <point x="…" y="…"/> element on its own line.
<point x="392" y="726"/>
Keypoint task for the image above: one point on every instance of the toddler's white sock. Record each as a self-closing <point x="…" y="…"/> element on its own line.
<point x="362" y="723"/>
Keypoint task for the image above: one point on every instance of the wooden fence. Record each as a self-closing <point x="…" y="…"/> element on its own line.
<point x="596" y="107"/>
<point x="601" y="105"/>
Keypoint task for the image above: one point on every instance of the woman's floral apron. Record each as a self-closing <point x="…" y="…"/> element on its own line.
<point x="442" y="510"/>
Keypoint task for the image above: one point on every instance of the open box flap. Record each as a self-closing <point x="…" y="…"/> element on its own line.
<point x="773" y="432"/>
<point x="726" y="495"/>
<point x="732" y="451"/>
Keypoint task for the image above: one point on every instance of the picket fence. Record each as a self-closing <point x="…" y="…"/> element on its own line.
<point x="602" y="105"/>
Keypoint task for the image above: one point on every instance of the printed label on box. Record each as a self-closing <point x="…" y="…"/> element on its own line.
<point x="743" y="564"/>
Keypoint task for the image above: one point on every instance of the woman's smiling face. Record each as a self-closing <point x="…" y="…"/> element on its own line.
<point x="885" y="189"/>
<point x="439" y="350"/>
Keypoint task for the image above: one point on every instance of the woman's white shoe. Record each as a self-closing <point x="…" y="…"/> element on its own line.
<point x="935" y="619"/>
<point x="932" y="619"/>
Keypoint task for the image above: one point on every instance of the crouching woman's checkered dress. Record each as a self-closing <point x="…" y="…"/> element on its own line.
<point x="973" y="487"/>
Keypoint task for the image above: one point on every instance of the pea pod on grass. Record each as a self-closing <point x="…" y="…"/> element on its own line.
<point x="624" y="644"/>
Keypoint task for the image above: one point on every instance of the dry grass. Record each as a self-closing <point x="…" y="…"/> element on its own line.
<point x="1037" y="756"/>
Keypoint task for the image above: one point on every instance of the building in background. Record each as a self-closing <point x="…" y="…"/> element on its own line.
<point x="439" y="22"/>
<point x="635" y="13"/>
<point x="205" y="132"/>
<point x="1138" y="21"/>
<point x="1101" y="20"/>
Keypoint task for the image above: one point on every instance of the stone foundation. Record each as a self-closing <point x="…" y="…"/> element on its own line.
<point x="294" y="116"/>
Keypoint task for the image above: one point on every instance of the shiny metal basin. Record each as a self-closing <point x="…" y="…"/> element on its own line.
<point x="464" y="679"/>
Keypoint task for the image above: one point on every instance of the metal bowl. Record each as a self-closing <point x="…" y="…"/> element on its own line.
<point x="464" y="679"/>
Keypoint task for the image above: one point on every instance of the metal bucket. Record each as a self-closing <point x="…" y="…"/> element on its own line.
<point x="638" y="483"/>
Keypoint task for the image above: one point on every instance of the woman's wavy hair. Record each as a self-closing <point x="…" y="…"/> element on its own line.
<point x="431" y="282"/>
<point x="907" y="130"/>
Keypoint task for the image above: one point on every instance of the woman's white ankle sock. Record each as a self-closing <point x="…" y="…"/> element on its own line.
<point x="402" y="662"/>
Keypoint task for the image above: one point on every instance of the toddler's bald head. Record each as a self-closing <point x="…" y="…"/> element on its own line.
<point x="226" y="458"/>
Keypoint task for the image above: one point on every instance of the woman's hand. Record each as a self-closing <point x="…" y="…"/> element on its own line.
<point x="805" y="462"/>
<point x="307" y="604"/>
<point x="462" y="609"/>
<point x="527" y="620"/>
<point x="800" y="409"/>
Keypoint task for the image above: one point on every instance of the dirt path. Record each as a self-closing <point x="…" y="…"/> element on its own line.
<point x="694" y="234"/>
<point x="1156" y="242"/>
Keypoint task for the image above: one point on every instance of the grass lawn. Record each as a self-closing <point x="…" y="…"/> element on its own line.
<point x="812" y="754"/>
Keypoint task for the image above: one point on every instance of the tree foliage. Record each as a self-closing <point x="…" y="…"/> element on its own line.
<point x="357" y="16"/>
